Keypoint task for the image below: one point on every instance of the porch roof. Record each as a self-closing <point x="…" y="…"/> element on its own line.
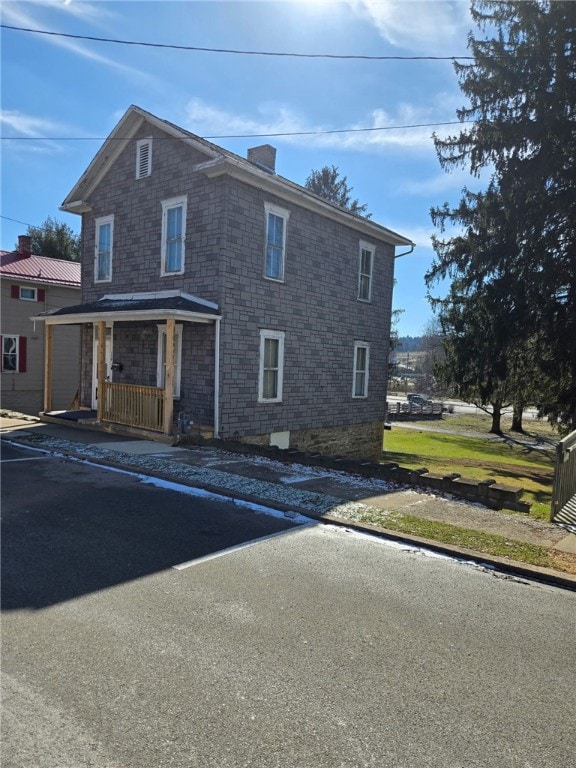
<point x="135" y="307"/>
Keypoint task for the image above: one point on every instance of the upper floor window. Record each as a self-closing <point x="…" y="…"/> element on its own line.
<point x="276" y="223"/>
<point x="366" y="266"/>
<point x="103" y="249"/>
<point x="361" y="363"/>
<point x="143" y="158"/>
<point x="13" y="354"/>
<point x="173" y="235"/>
<point x="26" y="293"/>
<point x="271" y="372"/>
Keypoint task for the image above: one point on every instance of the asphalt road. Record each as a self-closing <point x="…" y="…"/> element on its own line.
<point x="134" y="637"/>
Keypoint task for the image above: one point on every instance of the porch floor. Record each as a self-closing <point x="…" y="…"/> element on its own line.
<point x="87" y="419"/>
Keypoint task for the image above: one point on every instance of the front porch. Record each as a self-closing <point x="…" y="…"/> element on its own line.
<point x="128" y="407"/>
<point x="87" y="419"/>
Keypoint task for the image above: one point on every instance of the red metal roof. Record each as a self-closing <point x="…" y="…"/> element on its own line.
<point x="39" y="269"/>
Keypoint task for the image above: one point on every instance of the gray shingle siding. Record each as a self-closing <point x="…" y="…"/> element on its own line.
<point x="316" y="305"/>
<point x="137" y="208"/>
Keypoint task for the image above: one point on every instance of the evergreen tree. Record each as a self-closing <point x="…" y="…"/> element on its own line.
<point x="328" y="183"/>
<point x="518" y="239"/>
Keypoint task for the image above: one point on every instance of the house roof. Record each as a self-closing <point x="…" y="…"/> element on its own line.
<point x="136" y="307"/>
<point x="39" y="269"/>
<point x="220" y="161"/>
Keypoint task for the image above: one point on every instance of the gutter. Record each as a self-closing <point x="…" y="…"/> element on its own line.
<point x="406" y="253"/>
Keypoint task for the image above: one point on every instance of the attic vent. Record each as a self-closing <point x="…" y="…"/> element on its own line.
<point x="263" y="156"/>
<point x="143" y="158"/>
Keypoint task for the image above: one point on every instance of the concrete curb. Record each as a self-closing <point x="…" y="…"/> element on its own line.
<point x="501" y="564"/>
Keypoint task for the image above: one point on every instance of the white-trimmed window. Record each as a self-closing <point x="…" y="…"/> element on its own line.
<point x="103" y="249"/>
<point x="13" y="353"/>
<point x="271" y="372"/>
<point x="365" y="268"/>
<point x="275" y="251"/>
<point x="28" y="294"/>
<point x="161" y="362"/>
<point x="173" y="235"/>
<point x="361" y="365"/>
<point x="143" y="158"/>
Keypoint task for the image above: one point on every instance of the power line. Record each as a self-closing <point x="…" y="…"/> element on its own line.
<point x="237" y="52"/>
<point x="242" y="135"/>
<point x="17" y="221"/>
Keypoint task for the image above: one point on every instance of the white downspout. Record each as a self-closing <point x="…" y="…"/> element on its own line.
<point x="217" y="380"/>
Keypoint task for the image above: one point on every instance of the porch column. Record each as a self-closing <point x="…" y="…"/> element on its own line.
<point x="169" y="377"/>
<point x="48" y="329"/>
<point x="101" y="367"/>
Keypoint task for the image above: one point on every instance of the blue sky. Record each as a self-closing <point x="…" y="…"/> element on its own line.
<point x="74" y="91"/>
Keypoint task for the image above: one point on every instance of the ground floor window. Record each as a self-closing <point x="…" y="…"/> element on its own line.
<point x="271" y="372"/>
<point x="13" y="354"/>
<point x="361" y="361"/>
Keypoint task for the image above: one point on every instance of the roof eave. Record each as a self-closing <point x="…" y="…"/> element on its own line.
<point x="82" y="318"/>
<point x="264" y="180"/>
<point x="113" y="146"/>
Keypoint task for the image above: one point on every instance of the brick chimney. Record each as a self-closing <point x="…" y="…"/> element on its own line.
<point x="24" y="245"/>
<point x="264" y="157"/>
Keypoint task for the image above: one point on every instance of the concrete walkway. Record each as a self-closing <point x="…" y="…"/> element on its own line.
<point x="319" y="493"/>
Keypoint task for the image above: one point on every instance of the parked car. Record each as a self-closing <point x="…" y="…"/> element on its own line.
<point x="414" y="399"/>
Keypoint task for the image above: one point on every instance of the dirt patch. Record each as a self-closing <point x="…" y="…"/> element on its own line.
<point x="563" y="561"/>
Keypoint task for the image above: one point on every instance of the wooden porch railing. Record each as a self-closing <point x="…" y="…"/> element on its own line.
<point x="133" y="405"/>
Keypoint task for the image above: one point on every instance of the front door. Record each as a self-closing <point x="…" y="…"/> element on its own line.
<point x="95" y="347"/>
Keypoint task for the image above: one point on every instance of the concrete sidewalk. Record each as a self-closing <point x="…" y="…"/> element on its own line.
<point x="318" y="493"/>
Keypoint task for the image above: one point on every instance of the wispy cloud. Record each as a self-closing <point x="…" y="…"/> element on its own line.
<point x="444" y="182"/>
<point x="274" y="118"/>
<point x="23" y="16"/>
<point x="29" y="125"/>
<point x="422" y="26"/>
<point x="18" y="125"/>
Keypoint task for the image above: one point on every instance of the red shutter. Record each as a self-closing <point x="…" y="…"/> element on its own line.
<point x="22" y="354"/>
<point x="41" y="294"/>
<point x="15" y="291"/>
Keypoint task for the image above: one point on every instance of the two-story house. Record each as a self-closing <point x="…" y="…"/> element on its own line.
<point x="30" y="283"/>
<point x="215" y="290"/>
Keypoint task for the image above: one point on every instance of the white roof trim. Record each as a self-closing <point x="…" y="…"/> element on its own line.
<point x="129" y="315"/>
<point x="157" y="295"/>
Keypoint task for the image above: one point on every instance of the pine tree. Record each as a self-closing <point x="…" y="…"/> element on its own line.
<point x="519" y="237"/>
<point x="328" y="183"/>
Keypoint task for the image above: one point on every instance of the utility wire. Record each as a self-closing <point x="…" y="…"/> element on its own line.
<point x="238" y="52"/>
<point x="17" y="221"/>
<point x="240" y="135"/>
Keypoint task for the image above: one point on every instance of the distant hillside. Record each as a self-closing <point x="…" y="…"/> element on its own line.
<point x="409" y="344"/>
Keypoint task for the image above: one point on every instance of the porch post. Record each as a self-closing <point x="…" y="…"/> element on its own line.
<point x="217" y="379"/>
<point x="47" y="367"/>
<point x="101" y="367"/>
<point x="169" y="377"/>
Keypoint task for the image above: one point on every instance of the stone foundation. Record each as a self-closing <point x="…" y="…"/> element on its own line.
<point x="355" y="441"/>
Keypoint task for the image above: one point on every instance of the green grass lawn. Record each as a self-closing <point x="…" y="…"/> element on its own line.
<point x="475" y="457"/>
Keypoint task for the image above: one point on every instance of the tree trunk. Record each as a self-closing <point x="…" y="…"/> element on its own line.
<point x="517" y="412"/>
<point x="496" y="417"/>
